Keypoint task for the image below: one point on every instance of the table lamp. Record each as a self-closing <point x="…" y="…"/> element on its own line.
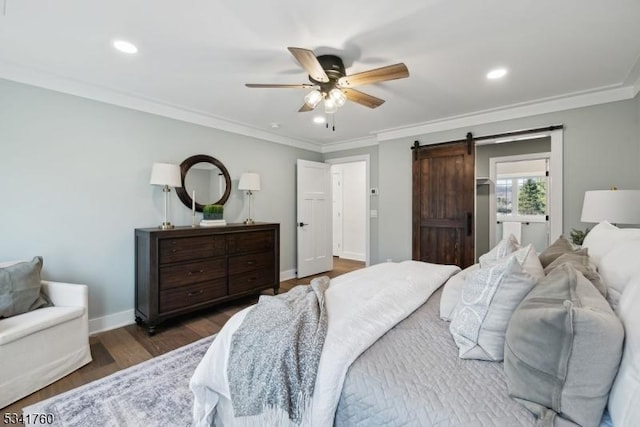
<point x="249" y="182"/>
<point x="167" y="175"/>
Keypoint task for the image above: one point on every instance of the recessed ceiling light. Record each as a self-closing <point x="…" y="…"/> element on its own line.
<point x="125" y="46"/>
<point x="498" y="73"/>
<point x="275" y="125"/>
<point x="319" y="120"/>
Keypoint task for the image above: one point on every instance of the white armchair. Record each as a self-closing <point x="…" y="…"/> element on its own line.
<point x="40" y="347"/>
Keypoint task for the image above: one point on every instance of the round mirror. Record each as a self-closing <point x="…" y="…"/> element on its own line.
<point x="208" y="178"/>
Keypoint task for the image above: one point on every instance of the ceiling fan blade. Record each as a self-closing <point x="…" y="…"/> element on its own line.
<point x="390" y="72"/>
<point x="310" y="63"/>
<point x="300" y="86"/>
<point x="305" y="108"/>
<point x="363" y="98"/>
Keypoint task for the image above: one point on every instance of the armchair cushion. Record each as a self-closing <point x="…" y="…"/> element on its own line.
<point x="20" y="288"/>
<point x="29" y="323"/>
<point x="42" y="346"/>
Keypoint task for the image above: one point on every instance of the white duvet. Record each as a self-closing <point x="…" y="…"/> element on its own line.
<point x="361" y="307"/>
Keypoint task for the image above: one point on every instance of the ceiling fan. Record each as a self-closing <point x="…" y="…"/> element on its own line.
<point x="330" y="83"/>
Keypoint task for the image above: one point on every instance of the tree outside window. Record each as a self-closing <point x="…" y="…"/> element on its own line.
<point x="532" y="196"/>
<point x="520" y="197"/>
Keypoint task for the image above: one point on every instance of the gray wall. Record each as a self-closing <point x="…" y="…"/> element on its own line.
<point x="75" y="184"/>
<point x="601" y="149"/>
<point x="75" y="180"/>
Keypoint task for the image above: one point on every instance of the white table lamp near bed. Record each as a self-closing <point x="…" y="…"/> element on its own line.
<point x="615" y="206"/>
<point x="167" y="175"/>
<point x="249" y="182"/>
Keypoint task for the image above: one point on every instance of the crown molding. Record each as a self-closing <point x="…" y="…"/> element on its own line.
<point x="20" y="74"/>
<point x="515" y="111"/>
<point x="633" y="77"/>
<point x="350" y="144"/>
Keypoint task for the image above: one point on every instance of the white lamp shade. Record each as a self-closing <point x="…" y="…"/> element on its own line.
<point x="166" y="174"/>
<point x="615" y="206"/>
<point x="249" y="181"/>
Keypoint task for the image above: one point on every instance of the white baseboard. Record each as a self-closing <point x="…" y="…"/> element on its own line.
<point x="127" y="317"/>
<point x="287" y="275"/>
<point x="353" y="256"/>
<point x="111" y="321"/>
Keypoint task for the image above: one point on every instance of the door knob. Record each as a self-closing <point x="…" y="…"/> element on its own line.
<point x="302" y="224"/>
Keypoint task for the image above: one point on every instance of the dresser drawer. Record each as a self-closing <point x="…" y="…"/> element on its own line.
<point x="257" y="241"/>
<point x="251" y="280"/>
<point x="187" y="296"/>
<point x="250" y="262"/>
<point x="189" y="248"/>
<point x="177" y="275"/>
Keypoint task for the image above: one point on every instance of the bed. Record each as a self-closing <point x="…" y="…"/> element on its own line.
<point x="408" y="371"/>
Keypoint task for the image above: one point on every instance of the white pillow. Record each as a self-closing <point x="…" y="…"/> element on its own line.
<point x="604" y="237"/>
<point x="489" y="297"/>
<point x="451" y="292"/>
<point x="618" y="266"/>
<point x="505" y="247"/>
<point x="625" y="393"/>
<point x="453" y="288"/>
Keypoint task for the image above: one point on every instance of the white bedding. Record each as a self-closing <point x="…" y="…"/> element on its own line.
<point x="361" y="306"/>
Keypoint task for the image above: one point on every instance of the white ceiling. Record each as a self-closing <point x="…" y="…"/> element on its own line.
<point x="195" y="56"/>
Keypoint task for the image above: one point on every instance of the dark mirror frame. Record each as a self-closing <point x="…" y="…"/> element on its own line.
<point x="182" y="192"/>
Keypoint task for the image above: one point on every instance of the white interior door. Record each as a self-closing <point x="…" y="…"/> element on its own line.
<point x="314" y="210"/>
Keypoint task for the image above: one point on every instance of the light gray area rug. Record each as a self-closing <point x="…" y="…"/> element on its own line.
<point x="152" y="393"/>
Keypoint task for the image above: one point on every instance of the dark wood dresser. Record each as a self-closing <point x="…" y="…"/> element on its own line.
<point x="186" y="269"/>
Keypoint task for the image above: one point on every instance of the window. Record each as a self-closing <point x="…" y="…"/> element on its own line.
<point x="503" y="196"/>
<point x="521" y="197"/>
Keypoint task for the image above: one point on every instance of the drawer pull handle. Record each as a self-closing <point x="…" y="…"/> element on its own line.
<point x="174" y="250"/>
<point x="252" y="279"/>
<point x="251" y="262"/>
<point x="191" y="294"/>
<point x="191" y="273"/>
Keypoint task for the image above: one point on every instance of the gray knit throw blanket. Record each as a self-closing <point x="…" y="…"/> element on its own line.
<point x="274" y="356"/>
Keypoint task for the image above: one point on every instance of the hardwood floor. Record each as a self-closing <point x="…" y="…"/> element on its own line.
<point x="124" y="347"/>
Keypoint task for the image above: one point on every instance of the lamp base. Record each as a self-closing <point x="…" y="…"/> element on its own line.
<point x="166" y="226"/>
<point x="249" y="221"/>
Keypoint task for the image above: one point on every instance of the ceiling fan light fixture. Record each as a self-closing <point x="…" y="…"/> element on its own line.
<point x="330" y="106"/>
<point x="313" y="98"/>
<point x="338" y="97"/>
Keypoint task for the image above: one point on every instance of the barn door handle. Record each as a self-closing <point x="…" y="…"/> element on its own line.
<point x="469" y="224"/>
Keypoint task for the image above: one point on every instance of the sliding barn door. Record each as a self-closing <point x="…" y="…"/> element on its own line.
<point x="443" y="203"/>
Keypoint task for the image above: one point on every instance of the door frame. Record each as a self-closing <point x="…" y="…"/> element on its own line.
<point x="367" y="160"/>
<point x="556" y="184"/>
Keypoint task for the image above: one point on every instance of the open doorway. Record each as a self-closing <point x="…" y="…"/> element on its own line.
<point x="545" y="150"/>
<point x="350" y="196"/>
<point x="519" y="202"/>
